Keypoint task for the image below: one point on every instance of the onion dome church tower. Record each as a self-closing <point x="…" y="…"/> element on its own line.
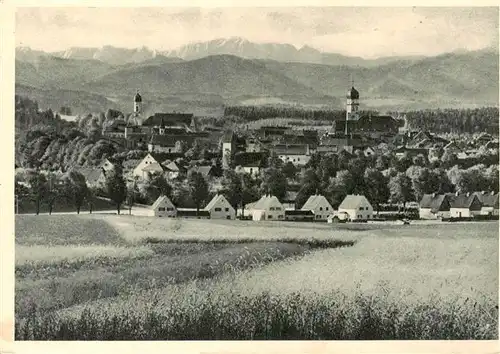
<point x="352" y="104"/>
<point x="137" y="109"/>
<point x="352" y="108"/>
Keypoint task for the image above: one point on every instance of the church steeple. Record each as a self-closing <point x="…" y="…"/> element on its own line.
<point x="352" y="107"/>
<point x="137" y="103"/>
<point x="352" y="103"/>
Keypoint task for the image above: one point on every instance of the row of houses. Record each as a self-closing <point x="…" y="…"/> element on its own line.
<point x="269" y="208"/>
<point x="456" y="205"/>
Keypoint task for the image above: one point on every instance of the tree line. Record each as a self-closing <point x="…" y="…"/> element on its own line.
<point x="436" y="120"/>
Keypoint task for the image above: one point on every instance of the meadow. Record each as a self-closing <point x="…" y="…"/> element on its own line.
<point x="105" y="277"/>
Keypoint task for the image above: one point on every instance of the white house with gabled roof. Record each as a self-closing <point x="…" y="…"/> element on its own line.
<point x="220" y="208"/>
<point x="163" y="207"/>
<point x="267" y="208"/>
<point x="320" y="207"/>
<point x="357" y="207"/>
<point x="150" y="162"/>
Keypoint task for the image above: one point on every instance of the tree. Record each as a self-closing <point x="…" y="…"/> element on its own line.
<point x="132" y="194"/>
<point x="38" y="191"/>
<point x="449" y="159"/>
<point x="273" y="182"/>
<point x="232" y="188"/>
<point x="401" y="189"/>
<point x="116" y="187"/>
<point x="53" y="192"/>
<point x="376" y="189"/>
<point x="194" y="152"/>
<point x="198" y="188"/>
<point x="289" y="170"/>
<point x="75" y="189"/>
<point x="155" y="186"/>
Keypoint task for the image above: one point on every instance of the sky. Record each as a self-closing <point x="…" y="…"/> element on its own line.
<point x="356" y="31"/>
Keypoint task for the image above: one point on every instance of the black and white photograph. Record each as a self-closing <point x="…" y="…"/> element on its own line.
<point x="256" y="173"/>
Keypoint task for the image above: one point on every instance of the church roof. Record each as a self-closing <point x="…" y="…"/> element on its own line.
<point x="169" y="119"/>
<point x="137" y="97"/>
<point x="353" y="93"/>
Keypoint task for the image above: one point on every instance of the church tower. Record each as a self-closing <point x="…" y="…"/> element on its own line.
<point x="137" y="104"/>
<point x="352" y="104"/>
<point x="352" y="108"/>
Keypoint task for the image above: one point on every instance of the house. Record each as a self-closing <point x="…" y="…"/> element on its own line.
<point x="434" y="206"/>
<point x="464" y="205"/>
<point x="483" y="139"/>
<point x="162" y="143"/>
<point x="452" y="147"/>
<point x="489" y="202"/>
<point x="410" y="152"/>
<point x="206" y="171"/>
<point x="368" y="151"/>
<point x="163" y="207"/>
<point x="95" y="177"/>
<point x="267" y="208"/>
<point x="172" y="170"/>
<point x="299" y="215"/>
<point x="320" y="207"/>
<point x="145" y="162"/>
<point x="219" y="208"/>
<point x="249" y="162"/>
<point x="299" y="155"/>
<point x="180" y="120"/>
<point x="107" y="165"/>
<point x="154" y="168"/>
<point x="357" y="206"/>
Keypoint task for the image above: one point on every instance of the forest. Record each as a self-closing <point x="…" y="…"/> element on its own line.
<point x="459" y="121"/>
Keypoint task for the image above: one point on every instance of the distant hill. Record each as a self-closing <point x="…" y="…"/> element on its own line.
<point x="80" y="102"/>
<point x="224" y="75"/>
<point x="461" y="79"/>
<point x="52" y="72"/>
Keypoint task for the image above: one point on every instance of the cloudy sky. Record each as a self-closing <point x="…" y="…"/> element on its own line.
<point x="359" y="31"/>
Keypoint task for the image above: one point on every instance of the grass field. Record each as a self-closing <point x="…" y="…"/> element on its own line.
<point x="121" y="277"/>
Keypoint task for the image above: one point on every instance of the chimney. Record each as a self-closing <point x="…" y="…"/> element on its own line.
<point x="483" y="192"/>
<point x="434" y="195"/>
<point x="457" y="194"/>
<point x="467" y="194"/>
<point x="493" y="193"/>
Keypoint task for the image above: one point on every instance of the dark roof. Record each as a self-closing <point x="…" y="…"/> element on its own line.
<point x="91" y="175"/>
<point x="137" y="97"/>
<point x="204" y="170"/>
<point x="461" y="200"/>
<point x="290" y="149"/>
<point x="435" y="202"/>
<point x="353" y="93"/>
<point x="488" y="199"/>
<point x="249" y="159"/>
<point x="163" y="140"/>
<point x="169" y="119"/>
<point x="299" y="212"/>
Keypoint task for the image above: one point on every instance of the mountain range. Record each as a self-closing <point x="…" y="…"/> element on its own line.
<point x="236" y="71"/>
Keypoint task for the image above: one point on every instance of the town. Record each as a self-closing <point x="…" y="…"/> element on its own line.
<point x="361" y="167"/>
<point x="253" y="173"/>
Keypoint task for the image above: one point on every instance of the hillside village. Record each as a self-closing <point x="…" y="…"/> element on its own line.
<point x="353" y="168"/>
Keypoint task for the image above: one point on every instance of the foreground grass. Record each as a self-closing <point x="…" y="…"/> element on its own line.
<point x="295" y="316"/>
<point x="212" y="280"/>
